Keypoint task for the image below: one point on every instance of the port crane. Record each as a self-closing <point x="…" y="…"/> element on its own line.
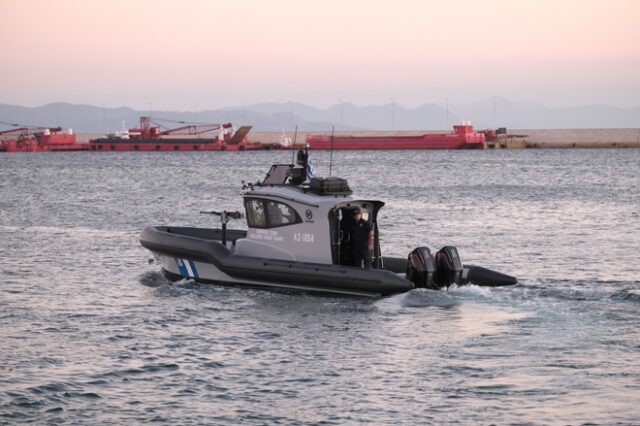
<point x="24" y="130"/>
<point x="27" y="138"/>
<point x="150" y="128"/>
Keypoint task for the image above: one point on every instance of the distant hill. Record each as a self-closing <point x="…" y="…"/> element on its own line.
<point x="489" y="113"/>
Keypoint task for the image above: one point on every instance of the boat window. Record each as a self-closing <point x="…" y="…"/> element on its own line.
<point x="280" y="214"/>
<point x="270" y="214"/>
<point x="255" y="214"/>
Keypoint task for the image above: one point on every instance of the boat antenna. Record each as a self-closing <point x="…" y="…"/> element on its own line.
<point x="293" y="145"/>
<point x="331" y="155"/>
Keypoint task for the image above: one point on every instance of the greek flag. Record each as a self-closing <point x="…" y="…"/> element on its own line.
<point x="310" y="172"/>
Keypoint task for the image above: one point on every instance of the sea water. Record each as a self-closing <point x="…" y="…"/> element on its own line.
<point x="92" y="333"/>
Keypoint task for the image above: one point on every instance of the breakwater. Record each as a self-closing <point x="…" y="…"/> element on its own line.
<point x="581" y="138"/>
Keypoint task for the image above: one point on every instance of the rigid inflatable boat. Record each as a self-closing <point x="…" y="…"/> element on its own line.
<point x="299" y="237"/>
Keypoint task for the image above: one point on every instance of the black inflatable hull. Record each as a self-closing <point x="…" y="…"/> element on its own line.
<point x="210" y="261"/>
<point x="215" y="263"/>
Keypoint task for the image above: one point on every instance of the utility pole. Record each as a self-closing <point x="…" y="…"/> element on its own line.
<point x="446" y="100"/>
<point x="393" y="114"/>
<point x="291" y="113"/>
<point x="494" y="111"/>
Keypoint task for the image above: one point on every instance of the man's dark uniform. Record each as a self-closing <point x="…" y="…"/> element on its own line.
<point x="361" y="253"/>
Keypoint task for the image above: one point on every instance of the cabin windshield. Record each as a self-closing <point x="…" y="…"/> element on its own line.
<point x="277" y="175"/>
<point x="263" y="213"/>
<point x="256" y="217"/>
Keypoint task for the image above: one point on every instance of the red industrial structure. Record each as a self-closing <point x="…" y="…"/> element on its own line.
<point x="27" y="138"/>
<point x="150" y="136"/>
<point x="462" y="137"/>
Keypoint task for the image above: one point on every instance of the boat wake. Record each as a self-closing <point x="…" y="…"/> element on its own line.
<point x="471" y="290"/>
<point x="153" y="279"/>
<point x="423" y="298"/>
<point x="627" y="295"/>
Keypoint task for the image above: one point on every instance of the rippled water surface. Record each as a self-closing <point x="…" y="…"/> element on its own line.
<point x="91" y="332"/>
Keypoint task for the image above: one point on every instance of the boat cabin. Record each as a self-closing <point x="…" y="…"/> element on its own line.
<point x="312" y="221"/>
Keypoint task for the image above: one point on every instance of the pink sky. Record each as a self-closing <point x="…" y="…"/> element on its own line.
<point x="197" y="54"/>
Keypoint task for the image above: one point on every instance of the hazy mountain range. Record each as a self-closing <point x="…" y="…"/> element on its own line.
<point x="489" y="113"/>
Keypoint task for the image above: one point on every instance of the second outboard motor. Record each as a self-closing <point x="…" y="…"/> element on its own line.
<point x="421" y="268"/>
<point x="448" y="267"/>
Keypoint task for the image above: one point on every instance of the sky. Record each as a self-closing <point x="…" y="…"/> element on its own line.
<point x="191" y="55"/>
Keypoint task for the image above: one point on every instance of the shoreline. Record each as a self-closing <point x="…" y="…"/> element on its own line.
<point x="515" y="138"/>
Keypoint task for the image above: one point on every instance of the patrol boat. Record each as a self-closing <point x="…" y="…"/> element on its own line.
<point x="299" y="237"/>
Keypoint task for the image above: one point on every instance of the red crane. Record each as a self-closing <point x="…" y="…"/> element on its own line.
<point x="149" y="128"/>
<point x="27" y="138"/>
<point x="25" y="130"/>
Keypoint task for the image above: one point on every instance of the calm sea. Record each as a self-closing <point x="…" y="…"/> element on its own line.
<point x="91" y="332"/>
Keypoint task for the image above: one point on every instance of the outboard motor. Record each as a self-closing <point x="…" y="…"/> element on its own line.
<point x="421" y="268"/>
<point x="425" y="270"/>
<point x="448" y="267"/>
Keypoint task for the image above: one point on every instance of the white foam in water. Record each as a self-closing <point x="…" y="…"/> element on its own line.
<point x="470" y="289"/>
<point x="421" y="297"/>
<point x="154" y="278"/>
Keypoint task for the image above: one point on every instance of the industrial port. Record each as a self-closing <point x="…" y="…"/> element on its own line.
<point x="151" y="135"/>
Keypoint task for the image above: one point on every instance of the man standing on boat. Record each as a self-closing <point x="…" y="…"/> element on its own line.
<point x="362" y="240"/>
